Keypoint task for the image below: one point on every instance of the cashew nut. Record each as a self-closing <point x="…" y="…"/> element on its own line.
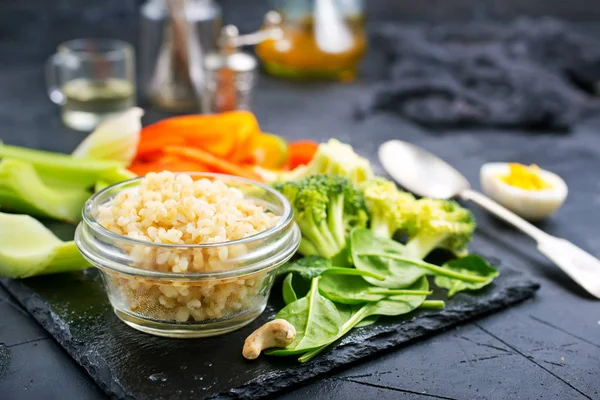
<point x="277" y="333"/>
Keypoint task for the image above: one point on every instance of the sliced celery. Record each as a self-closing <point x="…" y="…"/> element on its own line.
<point x="114" y="139"/>
<point x="65" y="170"/>
<point x="22" y="191"/>
<point x="100" y="185"/>
<point x="28" y="248"/>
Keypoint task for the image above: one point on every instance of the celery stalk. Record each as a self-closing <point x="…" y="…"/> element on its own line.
<point x="115" y="139"/>
<point x="22" y="190"/>
<point x="100" y="185"/>
<point x="28" y="248"/>
<point x="65" y="170"/>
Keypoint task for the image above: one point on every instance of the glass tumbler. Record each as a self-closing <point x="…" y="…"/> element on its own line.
<point x="91" y="79"/>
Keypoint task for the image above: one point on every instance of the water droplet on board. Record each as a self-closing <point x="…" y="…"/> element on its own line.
<point x="160" y="377"/>
<point x="198" y="378"/>
<point x="209" y="364"/>
<point x="183" y="367"/>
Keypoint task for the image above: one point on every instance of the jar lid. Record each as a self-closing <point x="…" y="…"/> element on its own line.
<point x="238" y="62"/>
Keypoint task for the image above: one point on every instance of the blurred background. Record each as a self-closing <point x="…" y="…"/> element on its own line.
<point x="527" y="64"/>
<point x="44" y="25"/>
<point x="31" y="30"/>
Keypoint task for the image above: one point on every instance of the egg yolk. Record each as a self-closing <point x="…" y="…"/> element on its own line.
<point x="524" y="177"/>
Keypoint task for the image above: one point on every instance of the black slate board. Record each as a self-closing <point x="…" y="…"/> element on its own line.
<point x="131" y="365"/>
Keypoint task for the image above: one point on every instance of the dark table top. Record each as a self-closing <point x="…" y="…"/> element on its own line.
<point x="548" y="347"/>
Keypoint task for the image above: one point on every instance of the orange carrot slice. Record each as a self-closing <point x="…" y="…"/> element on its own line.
<point x="224" y="135"/>
<point x="214" y="163"/>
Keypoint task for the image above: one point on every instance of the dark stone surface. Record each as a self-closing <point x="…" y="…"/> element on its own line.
<point x="129" y="364"/>
<point x="552" y="342"/>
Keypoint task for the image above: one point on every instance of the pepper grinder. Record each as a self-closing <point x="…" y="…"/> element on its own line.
<point x="229" y="72"/>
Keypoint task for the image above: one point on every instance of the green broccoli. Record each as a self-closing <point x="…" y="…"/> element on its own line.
<point x="326" y="208"/>
<point x="331" y="158"/>
<point x="390" y="209"/>
<point x="439" y="224"/>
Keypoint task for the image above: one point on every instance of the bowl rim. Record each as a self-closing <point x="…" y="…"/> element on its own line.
<point x="287" y="215"/>
<point x="263" y="265"/>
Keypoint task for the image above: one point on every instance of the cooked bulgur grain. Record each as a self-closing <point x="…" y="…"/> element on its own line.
<point x="175" y="209"/>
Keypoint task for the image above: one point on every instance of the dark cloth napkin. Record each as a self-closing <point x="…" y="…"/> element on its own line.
<point x="512" y="75"/>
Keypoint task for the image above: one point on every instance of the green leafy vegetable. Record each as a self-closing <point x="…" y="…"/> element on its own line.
<point x="389" y="209"/>
<point x="28" y="248"/>
<point x="439" y="224"/>
<point x="325" y="209"/>
<point x="472" y="265"/>
<point x="313" y="266"/>
<point x="22" y="191"/>
<point x="384" y="256"/>
<point x="289" y="294"/>
<point x="368" y="321"/>
<point x="315" y="318"/>
<point x="389" y="306"/>
<point x="355" y="290"/>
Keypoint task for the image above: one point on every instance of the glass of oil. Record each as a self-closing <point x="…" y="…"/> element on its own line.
<point x="322" y="39"/>
<point x="91" y="79"/>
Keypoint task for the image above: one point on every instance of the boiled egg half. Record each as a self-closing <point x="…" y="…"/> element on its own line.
<point x="529" y="191"/>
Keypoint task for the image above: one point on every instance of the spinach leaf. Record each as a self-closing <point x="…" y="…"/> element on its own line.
<point x="313" y="266"/>
<point x="315" y="318"/>
<point x="401" y="304"/>
<point x="473" y="265"/>
<point x="390" y="306"/>
<point x="384" y="256"/>
<point x="347" y="310"/>
<point x="355" y="290"/>
<point x="367" y="321"/>
<point x="289" y="294"/>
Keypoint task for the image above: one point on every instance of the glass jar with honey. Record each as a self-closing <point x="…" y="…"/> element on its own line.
<point x="321" y="39"/>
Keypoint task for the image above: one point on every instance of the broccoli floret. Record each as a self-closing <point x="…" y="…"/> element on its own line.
<point x="390" y="209"/>
<point x="326" y="208"/>
<point x="439" y="224"/>
<point x="331" y="158"/>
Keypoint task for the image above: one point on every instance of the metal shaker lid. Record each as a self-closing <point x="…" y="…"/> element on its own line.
<point x="230" y="57"/>
<point x="238" y="62"/>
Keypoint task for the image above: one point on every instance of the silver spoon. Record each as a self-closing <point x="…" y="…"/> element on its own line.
<point x="427" y="175"/>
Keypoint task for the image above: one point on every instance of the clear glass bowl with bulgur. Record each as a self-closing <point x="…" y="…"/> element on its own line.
<point x="187" y="254"/>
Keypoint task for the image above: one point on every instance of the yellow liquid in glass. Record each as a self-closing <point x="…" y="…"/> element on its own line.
<point x="297" y="54"/>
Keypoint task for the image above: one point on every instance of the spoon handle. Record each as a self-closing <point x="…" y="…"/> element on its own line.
<point x="581" y="266"/>
<point x="503" y="213"/>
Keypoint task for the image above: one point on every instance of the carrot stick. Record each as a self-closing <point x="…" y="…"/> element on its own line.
<point x="211" y="161"/>
<point x="167" y="163"/>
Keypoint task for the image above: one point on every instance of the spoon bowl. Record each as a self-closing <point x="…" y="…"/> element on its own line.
<point x="420" y="171"/>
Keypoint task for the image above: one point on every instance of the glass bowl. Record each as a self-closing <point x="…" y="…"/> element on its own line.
<point x="225" y="296"/>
